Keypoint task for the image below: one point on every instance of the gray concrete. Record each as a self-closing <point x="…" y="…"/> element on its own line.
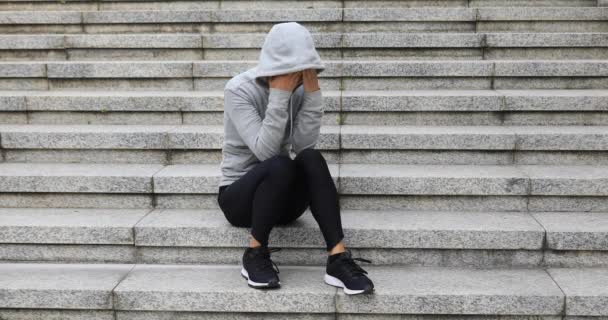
<point x="68" y="226"/>
<point x="362" y="228"/>
<point x="197" y="178"/>
<point x="413" y="290"/>
<point x="575" y="230"/>
<point x="409" y="14"/>
<point x="204" y="288"/>
<point x="437" y="180"/>
<point x="542" y="14"/>
<point x="80" y="70"/>
<point x="59" y="286"/>
<point x="562" y="180"/>
<point x="586" y="290"/>
<point x="22" y="70"/>
<point x="76" y="177"/>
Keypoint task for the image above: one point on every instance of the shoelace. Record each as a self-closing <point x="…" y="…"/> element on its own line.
<point x="266" y="258"/>
<point x="354" y="268"/>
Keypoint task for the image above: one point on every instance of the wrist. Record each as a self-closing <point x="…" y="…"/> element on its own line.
<point x="278" y="96"/>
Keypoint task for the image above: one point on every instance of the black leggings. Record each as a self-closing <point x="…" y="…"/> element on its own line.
<point x="278" y="190"/>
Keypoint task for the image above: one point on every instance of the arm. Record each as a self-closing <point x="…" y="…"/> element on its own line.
<point x="263" y="137"/>
<point x="307" y="122"/>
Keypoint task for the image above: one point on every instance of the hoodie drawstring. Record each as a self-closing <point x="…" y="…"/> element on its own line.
<point x="290" y="126"/>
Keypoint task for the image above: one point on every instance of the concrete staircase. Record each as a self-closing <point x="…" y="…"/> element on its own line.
<point x="468" y="140"/>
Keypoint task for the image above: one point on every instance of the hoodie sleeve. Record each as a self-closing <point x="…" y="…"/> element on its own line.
<point x="307" y="124"/>
<point x="263" y="137"/>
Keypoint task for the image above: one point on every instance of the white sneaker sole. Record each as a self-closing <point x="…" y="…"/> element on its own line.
<point x="245" y="274"/>
<point x="331" y="280"/>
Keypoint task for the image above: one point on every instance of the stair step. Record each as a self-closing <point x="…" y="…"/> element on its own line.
<point x="345" y="137"/>
<point x="473" y="137"/>
<point x="563" y="230"/>
<point x="358" y="40"/>
<point x="354" y="179"/>
<point x="69" y="226"/>
<point x="129" y="137"/>
<point x="207" y="5"/>
<point x="330" y="45"/>
<point x="347" y="75"/>
<point x="77" y="177"/>
<point x="399" y="290"/>
<point x="472" y="180"/>
<point x="363" y="229"/>
<point x="352" y="100"/>
<point x="168" y="69"/>
<point x="391" y="237"/>
<point x="60" y="286"/>
<point x="214" y="288"/>
<point x="313" y="14"/>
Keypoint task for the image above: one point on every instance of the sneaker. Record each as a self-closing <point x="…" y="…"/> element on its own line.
<point x="259" y="269"/>
<point x="343" y="272"/>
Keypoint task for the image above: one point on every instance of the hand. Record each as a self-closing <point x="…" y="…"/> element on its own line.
<point x="311" y="83"/>
<point x="288" y="82"/>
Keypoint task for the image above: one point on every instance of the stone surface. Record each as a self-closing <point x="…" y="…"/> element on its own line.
<point x="123" y="69"/>
<point x="362" y="228"/>
<point x="551" y="40"/>
<point x="355" y="75"/>
<point x="432" y="180"/>
<point x="22" y="70"/>
<point x="197" y="178"/>
<point x="421" y="137"/>
<point x="134" y="41"/>
<point x="218" y="288"/>
<point x="421" y="100"/>
<point x="551" y="68"/>
<point x="86" y="136"/>
<point x="542" y="14"/>
<point x="409" y="14"/>
<point x="567" y="180"/>
<point x="537" y="100"/>
<point x="123" y="101"/>
<point x="77" y="177"/>
<point x="39" y="17"/>
<point x="586" y="290"/>
<point x="69" y="226"/>
<point x="575" y="230"/>
<point x="414" y="290"/>
<point x="16" y="42"/>
<point x="59" y="286"/>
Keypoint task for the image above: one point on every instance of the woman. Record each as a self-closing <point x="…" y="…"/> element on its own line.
<point x="261" y="185"/>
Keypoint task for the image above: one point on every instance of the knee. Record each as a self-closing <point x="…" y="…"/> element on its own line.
<point x="309" y="154"/>
<point x="282" y="168"/>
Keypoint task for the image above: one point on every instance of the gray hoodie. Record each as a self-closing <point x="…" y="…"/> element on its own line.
<point x="256" y="117"/>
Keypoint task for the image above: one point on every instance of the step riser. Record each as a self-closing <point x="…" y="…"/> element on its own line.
<point x="429" y="157"/>
<point x="329" y="118"/>
<point x="350" y="102"/>
<point x="350" y="179"/>
<point x="300" y="256"/>
<point x="207" y="5"/>
<point x="506" y="139"/>
<point x="257" y="27"/>
<point x="215" y="84"/>
<point x="347" y="202"/>
<point x="357" y="54"/>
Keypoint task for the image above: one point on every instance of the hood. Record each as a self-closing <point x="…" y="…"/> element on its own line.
<point x="288" y="47"/>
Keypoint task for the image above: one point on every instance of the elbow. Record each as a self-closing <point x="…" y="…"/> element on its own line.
<point x="263" y="151"/>
<point x="298" y="149"/>
<point x="309" y="142"/>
